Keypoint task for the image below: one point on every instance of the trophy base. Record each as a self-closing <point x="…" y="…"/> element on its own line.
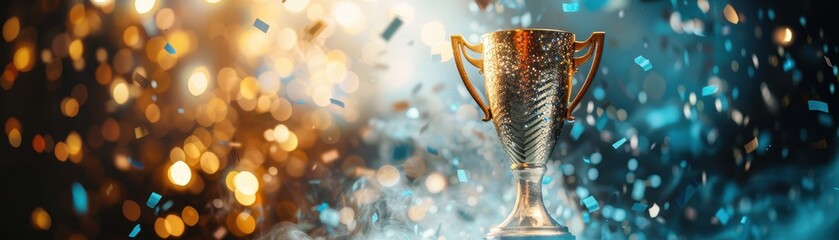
<point x="529" y="233"/>
<point x="529" y="219"/>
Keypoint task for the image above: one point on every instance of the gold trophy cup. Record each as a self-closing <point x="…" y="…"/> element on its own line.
<point x="528" y="74"/>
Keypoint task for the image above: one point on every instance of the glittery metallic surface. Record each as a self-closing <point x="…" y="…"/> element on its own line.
<point x="528" y="82"/>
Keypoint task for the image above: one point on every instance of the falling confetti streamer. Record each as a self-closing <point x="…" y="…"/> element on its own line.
<point x="134" y="231"/>
<point x="730" y="14"/>
<point x="751" y="145"/>
<point x="591" y="204"/>
<point x="617" y="144"/>
<point x="723" y="216"/>
<point x="461" y="176"/>
<point x="336" y="102"/>
<point x="815" y="105"/>
<point x="261" y="25"/>
<point x="571" y="7"/>
<point x="154" y="198"/>
<point x="79" y="198"/>
<point x="643" y="62"/>
<point x="710" y="90"/>
<point x="391" y="28"/>
<point x="169" y="48"/>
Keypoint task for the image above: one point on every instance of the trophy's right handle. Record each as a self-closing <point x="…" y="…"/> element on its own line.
<point x="459" y="46"/>
<point x="595" y="48"/>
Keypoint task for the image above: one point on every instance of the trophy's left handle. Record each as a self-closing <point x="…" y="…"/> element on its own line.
<point x="459" y="46"/>
<point x="595" y="47"/>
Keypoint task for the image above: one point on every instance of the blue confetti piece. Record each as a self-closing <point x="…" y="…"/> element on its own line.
<point x="710" y="90"/>
<point x="461" y="176"/>
<point x="136" y="164"/>
<point x="601" y="122"/>
<point x="639" y="207"/>
<point x="586" y="160"/>
<point x="644" y="63"/>
<point x="571" y="7"/>
<point x="816" y="105"/>
<point x="638" y="189"/>
<point x="407" y="193"/>
<point x="401" y="151"/>
<point x="154" y="198"/>
<point x="617" y="144"/>
<point x="321" y="207"/>
<point x="416" y="229"/>
<point x="836" y="188"/>
<point x="577" y="130"/>
<point x="723" y="216"/>
<point x="300" y="102"/>
<point x="728" y="45"/>
<point x="547" y="180"/>
<point x="803" y="21"/>
<point x="391" y="28"/>
<point x="337" y="102"/>
<point x="788" y="64"/>
<point x="167" y="205"/>
<point x="432" y="151"/>
<point x="169" y="48"/>
<point x="586" y="217"/>
<point x="375" y="217"/>
<point x="771" y="14"/>
<point x="744" y="219"/>
<point x="591" y="204"/>
<point x="134" y="231"/>
<point x="808" y="184"/>
<point x="261" y="25"/>
<point x="835" y="70"/>
<point x="79" y="198"/>
<point x="686" y="195"/>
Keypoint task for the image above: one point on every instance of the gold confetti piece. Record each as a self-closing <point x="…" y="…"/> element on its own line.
<point x="751" y="146"/>
<point x="140" y="132"/>
<point x="731" y="14"/>
<point x="330" y="156"/>
<point x="401" y="106"/>
<point x="315" y="29"/>
<point x="820" y="144"/>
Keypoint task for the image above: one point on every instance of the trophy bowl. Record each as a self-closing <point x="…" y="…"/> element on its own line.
<point x="528" y="77"/>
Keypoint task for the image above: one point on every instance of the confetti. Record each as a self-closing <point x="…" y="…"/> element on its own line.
<point x="134" y="231"/>
<point x="321" y="207"/>
<point x="336" y="102"/>
<point x="654" y="210"/>
<point x="401" y="106"/>
<point x="432" y="150"/>
<point x="827" y="60"/>
<point x="425" y="127"/>
<point x="140" y="132"/>
<point x="169" y="48"/>
<point x="639" y="207"/>
<point x="744" y="219"/>
<point x="547" y="180"/>
<point x="686" y="195"/>
<point x="142" y="80"/>
<point x="136" y="163"/>
<point x="723" y="216"/>
<point x="167" y="205"/>
<point x="154" y="198"/>
<point x="730" y="14"/>
<point x="375" y="217"/>
<point x="461" y="176"/>
<point x="79" y="198"/>
<point x="816" y="105"/>
<point x="644" y="63"/>
<point x="391" y="28"/>
<point x="571" y="7"/>
<point x="483" y="4"/>
<point x="751" y="145"/>
<point x="577" y="130"/>
<point x="315" y="29"/>
<point x="300" y="102"/>
<point x="591" y="204"/>
<point x="261" y="25"/>
<point x="618" y="143"/>
<point x="710" y="90"/>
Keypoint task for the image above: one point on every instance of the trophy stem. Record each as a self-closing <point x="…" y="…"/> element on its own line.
<point x="529" y="219"/>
